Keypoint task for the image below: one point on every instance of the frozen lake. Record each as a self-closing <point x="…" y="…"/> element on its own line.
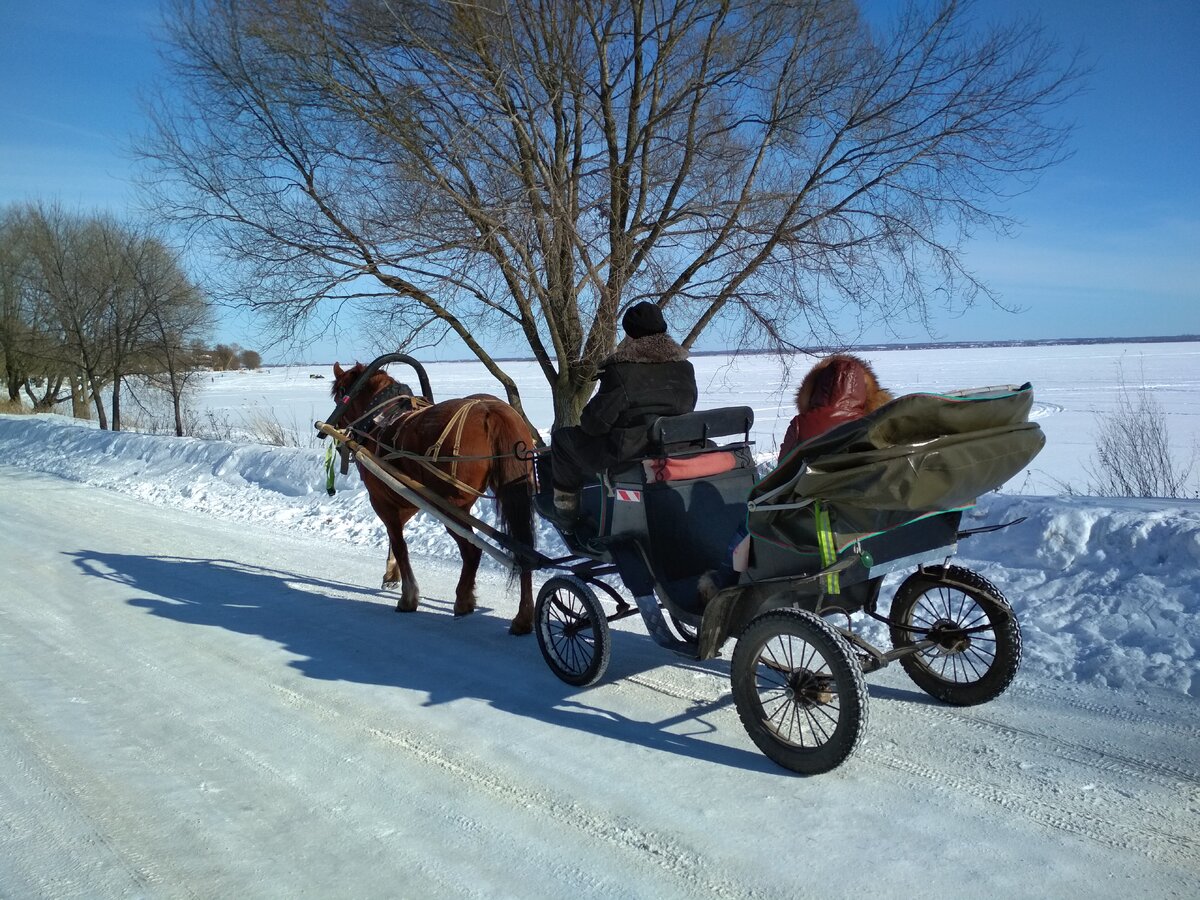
<point x="1074" y="386"/>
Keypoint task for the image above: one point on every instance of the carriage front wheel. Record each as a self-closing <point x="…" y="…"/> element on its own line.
<point x="976" y="646"/>
<point x="572" y="630"/>
<point x="799" y="691"/>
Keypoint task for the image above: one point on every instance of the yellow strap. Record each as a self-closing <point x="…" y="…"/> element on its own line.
<point x="456" y="424"/>
<point x="827" y="545"/>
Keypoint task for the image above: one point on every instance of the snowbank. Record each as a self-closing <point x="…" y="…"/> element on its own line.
<point x="1108" y="591"/>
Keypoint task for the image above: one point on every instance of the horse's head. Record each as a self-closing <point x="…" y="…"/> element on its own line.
<point x="368" y="396"/>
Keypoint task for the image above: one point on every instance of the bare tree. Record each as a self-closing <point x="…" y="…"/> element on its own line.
<point x="72" y="283"/>
<point x="98" y="301"/>
<point x="14" y="322"/>
<point x="225" y="357"/>
<point x="177" y="318"/>
<point x="525" y="169"/>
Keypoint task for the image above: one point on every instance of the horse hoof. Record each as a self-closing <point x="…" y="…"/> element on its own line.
<point x="515" y="629"/>
<point x="400" y="607"/>
<point x="389" y="585"/>
<point x="458" y="614"/>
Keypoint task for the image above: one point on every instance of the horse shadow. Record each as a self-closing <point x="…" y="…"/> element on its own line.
<point x="342" y="632"/>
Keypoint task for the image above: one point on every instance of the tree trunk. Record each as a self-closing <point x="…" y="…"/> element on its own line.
<point x="98" y="400"/>
<point x="116" y="403"/>
<point x="571" y="391"/>
<point x="79" y="404"/>
<point x="176" y="399"/>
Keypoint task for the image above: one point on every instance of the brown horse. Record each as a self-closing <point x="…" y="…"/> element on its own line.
<point x="456" y="449"/>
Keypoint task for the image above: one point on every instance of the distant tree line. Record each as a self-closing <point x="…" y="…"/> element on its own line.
<point x="224" y="357"/>
<point x="86" y="303"/>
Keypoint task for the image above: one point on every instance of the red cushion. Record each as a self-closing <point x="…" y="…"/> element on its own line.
<point x="677" y="469"/>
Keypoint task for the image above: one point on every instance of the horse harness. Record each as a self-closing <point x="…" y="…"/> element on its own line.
<point x="384" y="412"/>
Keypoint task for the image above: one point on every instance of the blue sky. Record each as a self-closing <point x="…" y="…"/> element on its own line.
<point x="1109" y="243"/>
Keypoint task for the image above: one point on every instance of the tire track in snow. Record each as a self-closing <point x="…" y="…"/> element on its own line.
<point x="1128" y="818"/>
<point x="650" y="847"/>
<point x="107" y="813"/>
<point x="1117" y="833"/>
<point x="1179" y="725"/>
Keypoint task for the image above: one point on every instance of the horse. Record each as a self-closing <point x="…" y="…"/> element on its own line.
<point x="456" y="449"/>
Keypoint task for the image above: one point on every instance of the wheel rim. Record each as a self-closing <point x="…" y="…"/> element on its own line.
<point x="965" y="648"/>
<point x="796" y="691"/>
<point x="568" y="631"/>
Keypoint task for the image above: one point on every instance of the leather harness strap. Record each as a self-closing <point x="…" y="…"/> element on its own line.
<point x="390" y="397"/>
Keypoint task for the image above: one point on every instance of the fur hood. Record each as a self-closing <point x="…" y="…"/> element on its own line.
<point x="653" y="348"/>
<point x="876" y="396"/>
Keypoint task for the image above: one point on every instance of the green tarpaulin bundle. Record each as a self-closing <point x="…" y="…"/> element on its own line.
<point x="919" y="454"/>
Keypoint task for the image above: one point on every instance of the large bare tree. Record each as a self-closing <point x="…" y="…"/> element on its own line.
<point x="517" y="172"/>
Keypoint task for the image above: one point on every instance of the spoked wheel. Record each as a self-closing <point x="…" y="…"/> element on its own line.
<point x="799" y="691"/>
<point x="977" y="647"/>
<point x="572" y="630"/>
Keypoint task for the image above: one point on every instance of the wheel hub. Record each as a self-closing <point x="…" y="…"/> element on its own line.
<point x="949" y="636"/>
<point x="810" y="689"/>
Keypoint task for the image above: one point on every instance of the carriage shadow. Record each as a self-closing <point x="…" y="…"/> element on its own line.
<point x="342" y="632"/>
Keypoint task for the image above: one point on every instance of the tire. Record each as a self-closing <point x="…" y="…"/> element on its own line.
<point x="572" y="630"/>
<point x="799" y="691"/>
<point x="963" y="669"/>
<point x="687" y="633"/>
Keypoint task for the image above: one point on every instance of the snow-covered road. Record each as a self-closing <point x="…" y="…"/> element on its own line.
<point x="195" y="707"/>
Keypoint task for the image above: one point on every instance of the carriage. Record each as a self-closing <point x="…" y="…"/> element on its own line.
<point x="816" y="538"/>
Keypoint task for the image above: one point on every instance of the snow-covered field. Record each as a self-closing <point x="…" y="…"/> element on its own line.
<point x="1073" y="385"/>
<point x="202" y="693"/>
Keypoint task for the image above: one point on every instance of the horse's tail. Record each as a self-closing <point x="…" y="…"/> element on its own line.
<point x="511" y="478"/>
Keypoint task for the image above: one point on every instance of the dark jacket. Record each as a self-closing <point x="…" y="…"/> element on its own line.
<point x="645" y="378"/>
<point x="839" y="388"/>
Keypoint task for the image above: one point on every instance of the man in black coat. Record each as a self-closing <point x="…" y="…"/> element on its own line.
<point x="648" y="376"/>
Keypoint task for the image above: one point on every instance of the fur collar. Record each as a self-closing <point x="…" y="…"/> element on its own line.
<point x="654" y="348"/>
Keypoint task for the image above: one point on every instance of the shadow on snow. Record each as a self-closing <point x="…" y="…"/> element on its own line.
<point x="344" y="633"/>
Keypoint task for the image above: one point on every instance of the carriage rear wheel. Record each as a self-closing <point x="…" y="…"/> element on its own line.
<point x="977" y="647"/>
<point x="799" y="691"/>
<point x="572" y="630"/>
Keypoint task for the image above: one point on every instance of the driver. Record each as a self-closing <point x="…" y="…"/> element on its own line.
<point x="648" y="376"/>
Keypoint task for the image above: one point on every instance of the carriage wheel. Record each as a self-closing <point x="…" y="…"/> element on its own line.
<point x="572" y="630"/>
<point x="799" y="691"/>
<point x="978" y="647"/>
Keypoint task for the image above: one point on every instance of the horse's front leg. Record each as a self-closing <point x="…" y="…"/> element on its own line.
<point x="464" y="594"/>
<point x="399" y="569"/>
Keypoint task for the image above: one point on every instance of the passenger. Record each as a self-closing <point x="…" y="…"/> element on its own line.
<point x="648" y="376"/>
<point x="839" y="388"/>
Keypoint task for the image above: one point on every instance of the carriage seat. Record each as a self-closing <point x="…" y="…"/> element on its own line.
<point x="684" y="447"/>
<point x="671" y="435"/>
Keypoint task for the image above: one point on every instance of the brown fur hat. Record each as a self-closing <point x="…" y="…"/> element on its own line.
<point x="876" y="395"/>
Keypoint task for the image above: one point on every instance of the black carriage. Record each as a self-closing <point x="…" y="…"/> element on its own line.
<point x="880" y="495"/>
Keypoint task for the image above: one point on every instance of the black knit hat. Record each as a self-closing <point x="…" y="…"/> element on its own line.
<point x="643" y="319"/>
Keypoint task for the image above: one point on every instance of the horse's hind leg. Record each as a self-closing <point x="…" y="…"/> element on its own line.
<point x="464" y="594"/>
<point x="522" y="623"/>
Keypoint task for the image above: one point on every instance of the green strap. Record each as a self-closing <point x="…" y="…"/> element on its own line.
<point x="329" y="468"/>
<point x="827" y="546"/>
